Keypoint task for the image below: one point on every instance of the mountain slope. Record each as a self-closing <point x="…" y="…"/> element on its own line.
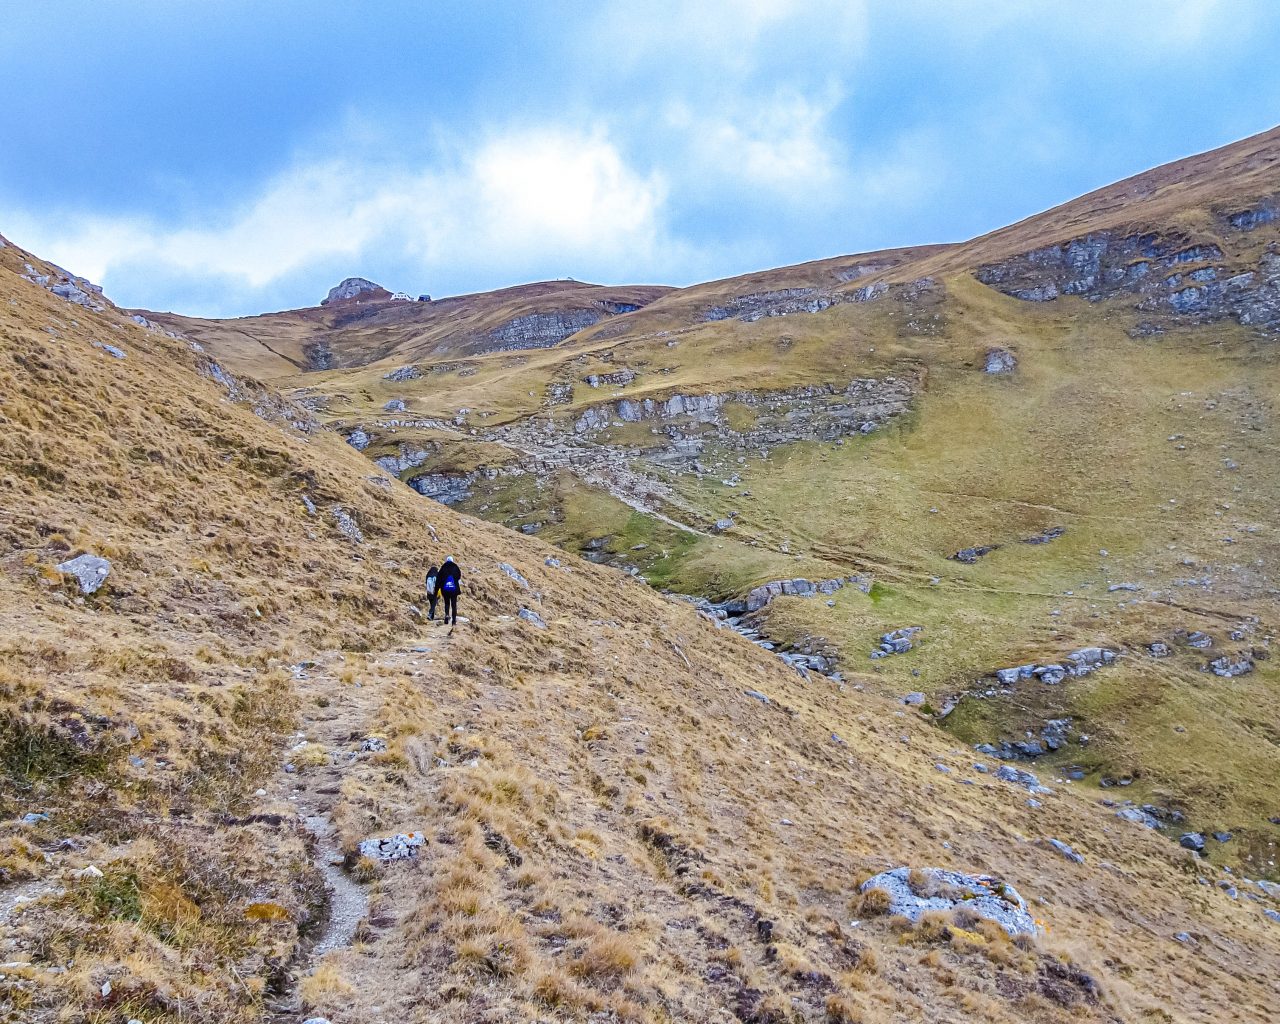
<point x="615" y="822"/>
<point x="362" y="330"/>
<point x="1099" y="379"/>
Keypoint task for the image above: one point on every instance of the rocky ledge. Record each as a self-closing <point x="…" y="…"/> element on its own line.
<point x="1185" y="278"/>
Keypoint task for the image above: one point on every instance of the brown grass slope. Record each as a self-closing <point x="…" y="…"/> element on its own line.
<point x="356" y="332"/>
<point x="615" y="829"/>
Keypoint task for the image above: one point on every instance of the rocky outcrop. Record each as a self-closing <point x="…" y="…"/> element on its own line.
<point x="1078" y="663"/>
<point x="1168" y="273"/>
<point x="353" y="288"/>
<point x="446" y="488"/>
<point x="541" y="330"/>
<point x="914" y="892"/>
<point x="347" y="525"/>
<point x="1055" y="734"/>
<point x="407" y="457"/>
<point x="760" y="596"/>
<point x="897" y="641"/>
<point x="403" y="374"/>
<point x="785" y="301"/>
<point x="820" y="412"/>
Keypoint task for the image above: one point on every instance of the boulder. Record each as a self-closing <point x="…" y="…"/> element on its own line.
<point x="1000" y="360"/>
<point x="1138" y="817"/>
<point x="395" y="405"/>
<point x="1229" y="667"/>
<point x="358" y="440"/>
<point x="533" y="618"/>
<point x="1192" y="841"/>
<point x="1021" y="777"/>
<point x="944" y="890"/>
<point x="1065" y="850"/>
<point x="90" y="572"/>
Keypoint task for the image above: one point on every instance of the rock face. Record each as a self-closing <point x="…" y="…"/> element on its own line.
<point x="938" y="889"/>
<point x="446" y="488"/>
<point x="513" y="573"/>
<point x="350" y="288"/>
<point x="1054" y="736"/>
<point x="541" y="330"/>
<point x="1169" y="273"/>
<point x="785" y="301"/>
<point x="90" y="572"/>
<point x="1229" y="667"/>
<point x="1138" y="817"/>
<point x="1021" y="777"/>
<point x="1065" y="850"/>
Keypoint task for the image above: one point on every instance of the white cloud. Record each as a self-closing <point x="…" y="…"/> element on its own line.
<point x="783" y="143"/>
<point x="539" y="197"/>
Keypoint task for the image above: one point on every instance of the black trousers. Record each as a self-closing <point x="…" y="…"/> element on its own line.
<point x="450" y="607"/>
<point x="431" y="609"/>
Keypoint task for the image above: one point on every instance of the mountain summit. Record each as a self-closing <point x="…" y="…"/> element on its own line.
<point x="354" y="288"/>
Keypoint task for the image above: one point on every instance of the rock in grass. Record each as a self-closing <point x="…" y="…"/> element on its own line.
<point x="1228" y="667"/>
<point x="1138" y="817"/>
<point x="1065" y="850"/>
<point x="1192" y="841"/>
<point x="1000" y="360"/>
<point x="401" y="846"/>
<point x="511" y="571"/>
<point x="347" y="525"/>
<point x="1021" y="777"/>
<point x="533" y="618"/>
<point x="90" y="572"/>
<point x="915" y="892"/>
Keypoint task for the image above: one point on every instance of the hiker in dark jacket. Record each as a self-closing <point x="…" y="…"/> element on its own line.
<point x="433" y="594"/>
<point x="449" y="583"/>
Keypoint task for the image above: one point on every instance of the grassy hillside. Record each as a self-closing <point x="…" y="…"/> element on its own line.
<point x="1140" y="428"/>
<point x="628" y="812"/>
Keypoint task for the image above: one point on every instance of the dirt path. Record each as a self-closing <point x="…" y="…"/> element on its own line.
<point x="338" y="715"/>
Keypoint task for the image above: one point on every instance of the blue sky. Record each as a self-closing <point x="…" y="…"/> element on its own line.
<point x="234" y="157"/>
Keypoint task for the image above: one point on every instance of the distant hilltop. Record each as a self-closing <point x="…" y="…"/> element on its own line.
<point x="361" y="287"/>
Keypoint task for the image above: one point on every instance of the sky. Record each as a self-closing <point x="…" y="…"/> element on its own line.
<point x="229" y="158"/>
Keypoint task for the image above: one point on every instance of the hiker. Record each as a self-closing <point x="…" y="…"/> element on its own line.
<point x="433" y="595"/>
<point x="449" y="582"/>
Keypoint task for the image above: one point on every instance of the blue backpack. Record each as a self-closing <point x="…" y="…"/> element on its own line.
<point x="450" y="585"/>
